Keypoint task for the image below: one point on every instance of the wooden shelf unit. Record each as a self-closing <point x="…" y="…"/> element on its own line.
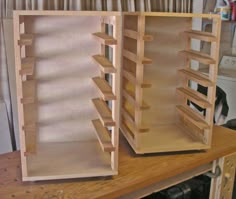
<point x="163" y="81"/>
<point x="63" y="108"/>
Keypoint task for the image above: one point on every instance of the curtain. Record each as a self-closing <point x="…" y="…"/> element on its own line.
<point x="7" y="74"/>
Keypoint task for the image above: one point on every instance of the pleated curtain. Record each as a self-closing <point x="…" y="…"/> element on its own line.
<point x="7" y="84"/>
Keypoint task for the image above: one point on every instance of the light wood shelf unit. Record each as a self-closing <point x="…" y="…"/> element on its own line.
<point x="63" y="109"/>
<point x="163" y="81"/>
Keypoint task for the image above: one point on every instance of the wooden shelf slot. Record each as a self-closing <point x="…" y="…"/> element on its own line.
<point x="105" y="65"/>
<point x="134" y="35"/>
<point x="104" y="88"/>
<point x="200" y="35"/>
<point x="129" y="118"/>
<point x="130" y="97"/>
<point x="25" y="40"/>
<point x="27" y="66"/>
<point x="129" y="76"/>
<point x="105" y="39"/>
<point x="195" y="97"/>
<point x="193" y="116"/>
<point x="198" y="56"/>
<point x="29" y="92"/>
<point x="131" y="56"/>
<point x="103" y="136"/>
<point x="197" y="77"/>
<point x="104" y="112"/>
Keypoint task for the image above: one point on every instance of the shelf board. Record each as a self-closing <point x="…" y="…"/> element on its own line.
<point x="27" y="66"/>
<point x="129" y="76"/>
<point x="198" y="56"/>
<point x="197" y="76"/>
<point x="195" y="97"/>
<point x="105" y="39"/>
<point x="25" y="40"/>
<point x="103" y="136"/>
<point x="29" y="92"/>
<point x="48" y="163"/>
<point x="133" y="57"/>
<point x="193" y="116"/>
<point x="104" y="112"/>
<point x="200" y="35"/>
<point x="134" y="35"/>
<point x="105" y="64"/>
<point x="104" y="88"/>
<point x="130" y="97"/>
<point x="174" y="138"/>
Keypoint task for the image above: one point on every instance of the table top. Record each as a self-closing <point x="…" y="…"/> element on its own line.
<point x="135" y="172"/>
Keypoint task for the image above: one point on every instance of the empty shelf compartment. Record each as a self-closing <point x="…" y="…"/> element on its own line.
<point x="103" y="136"/>
<point x="198" y="56"/>
<point x="104" y="88"/>
<point x="105" y="64"/>
<point x="192" y="116"/>
<point x="197" y="77"/>
<point x="200" y="35"/>
<point x="105" y="39"/>
<point x="194" y="97"/>
<point x="104" y="112"/>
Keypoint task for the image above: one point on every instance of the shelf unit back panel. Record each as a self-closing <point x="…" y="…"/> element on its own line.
<point x="163" y="72"/>
<point x="64" y="72"/>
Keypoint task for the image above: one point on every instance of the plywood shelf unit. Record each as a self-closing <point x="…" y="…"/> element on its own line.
<point x="64" y="115"/>
<point x="163" y="81"/>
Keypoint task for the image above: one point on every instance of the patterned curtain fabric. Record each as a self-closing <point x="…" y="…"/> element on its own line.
<point x="6" y="12"/>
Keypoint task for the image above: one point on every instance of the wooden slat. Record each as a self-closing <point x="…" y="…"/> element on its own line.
<point x="146" y="61"/>
<point x="103" y="136"/>
<point x="131" y="34"/>
<point x="30" y="140"/>
<point x="204" y="36"/>
<point x="134" y="35"/>
<point x="104" y="88"/>
<point x="25" y="40"/>
<point x="27" y="66"/>
<point x="104" y="112"/>
<point x="197" y="77"/>
<point x="29" y="92"/>
<point x="105" y="65"/>
<point x="129" y="118"/>
<point x="129" y="76"/>
<point x="131" y="56"/>
<point x="105" y="39"/>
<point x="195" y="97"/>
<point x="192" y="116"/>
<point x="130" y="97"/>
<point x="198" y="56"/>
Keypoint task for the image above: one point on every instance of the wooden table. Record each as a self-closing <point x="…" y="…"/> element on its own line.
<point x="138" y="175"/>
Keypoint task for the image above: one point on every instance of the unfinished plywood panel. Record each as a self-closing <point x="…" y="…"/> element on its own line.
<point x="59" y="62"/>
<point x="158" y="117"/>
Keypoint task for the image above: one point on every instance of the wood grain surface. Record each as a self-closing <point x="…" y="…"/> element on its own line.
<point x="135" y="172"/>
